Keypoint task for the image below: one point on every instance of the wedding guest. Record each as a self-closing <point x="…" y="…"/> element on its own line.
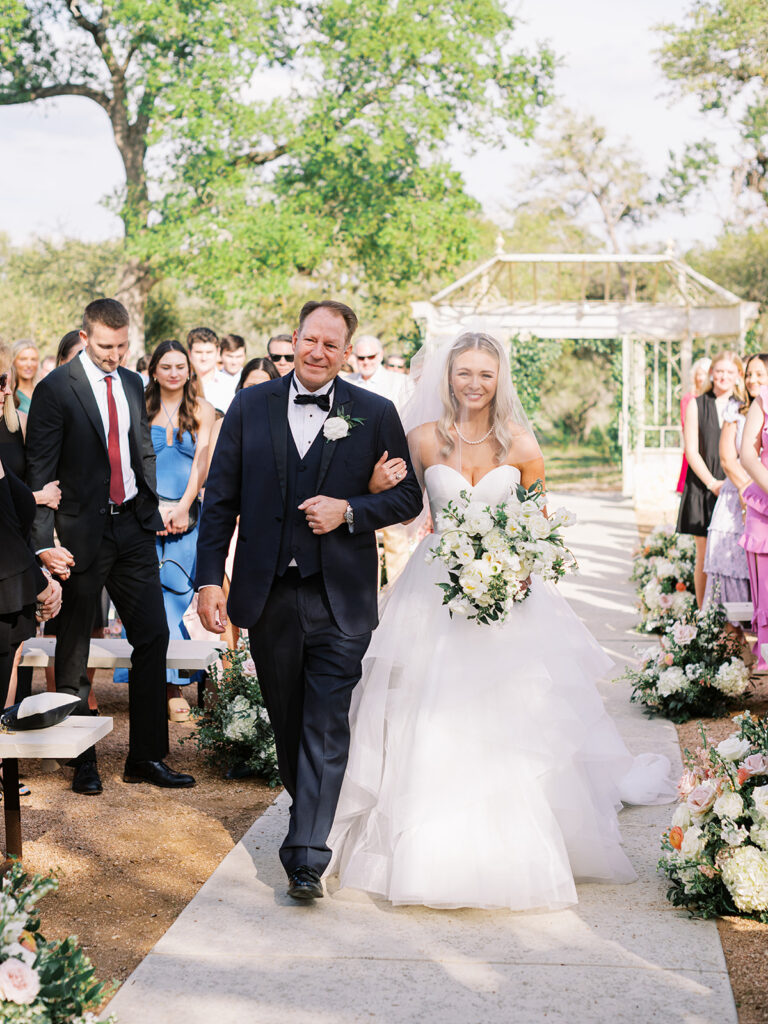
<point x="371" y="374"/>
<point x="280" y="351"/>
<point x="232" y="349"/>
<point x="754" y="459"/>
<point x="48" y="364"/>
<point x="88" y="425"/>
<point x="69" y="346"/>
<point x="141" y="368"/>
<point x="396" y="363"/>
<point x="215" y="386"/>
<point x="699" y="378"/>
<point x="180" y="425"/>
<point x="704" y="478"/>
<point x="257" y="371"/>
<point x="725" y="562"/>
<point x="26" y="363"/>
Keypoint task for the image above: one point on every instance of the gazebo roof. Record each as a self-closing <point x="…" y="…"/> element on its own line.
<point x="588" y="295"/>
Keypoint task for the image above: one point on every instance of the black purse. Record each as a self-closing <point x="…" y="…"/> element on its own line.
<point x="172" y="503"/>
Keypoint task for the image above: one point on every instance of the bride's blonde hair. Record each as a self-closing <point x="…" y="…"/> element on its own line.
<point x="502" y="404"/>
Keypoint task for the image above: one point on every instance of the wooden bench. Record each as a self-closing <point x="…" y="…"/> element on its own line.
<point x="64" y="741"/>
<point x="110" y="653"/>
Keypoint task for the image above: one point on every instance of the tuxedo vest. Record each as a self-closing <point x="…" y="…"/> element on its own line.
<point x="297" y="540"/>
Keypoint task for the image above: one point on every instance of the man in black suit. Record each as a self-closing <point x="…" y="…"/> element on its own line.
<point x="293" y="460"/>
<point x="88" y="428"/>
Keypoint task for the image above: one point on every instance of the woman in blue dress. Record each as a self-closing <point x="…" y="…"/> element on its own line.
<point x="180" y="423"/>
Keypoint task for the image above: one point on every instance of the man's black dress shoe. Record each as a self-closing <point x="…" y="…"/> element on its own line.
<point x="86" y="779"/>
<point x="157" y="773"/>
<point x="304" y="884"/>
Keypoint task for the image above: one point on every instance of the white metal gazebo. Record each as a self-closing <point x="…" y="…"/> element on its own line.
<point x="657" y="305"/>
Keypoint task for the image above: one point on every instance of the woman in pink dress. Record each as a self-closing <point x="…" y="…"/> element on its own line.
<point x="700" y="378"/>
<point x="754" y="459"/>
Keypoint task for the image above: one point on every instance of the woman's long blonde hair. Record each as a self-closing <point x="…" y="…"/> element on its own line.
<point x="728" y="356"/>
<point x="503" y="404"/>
<point x="10" y="415"/>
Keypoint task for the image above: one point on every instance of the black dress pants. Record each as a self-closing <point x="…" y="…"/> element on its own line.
<point x="126" y="564"/>
<point x="307" y="670"/>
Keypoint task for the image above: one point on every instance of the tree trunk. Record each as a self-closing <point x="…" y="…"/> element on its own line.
<point x="135" y="285"/>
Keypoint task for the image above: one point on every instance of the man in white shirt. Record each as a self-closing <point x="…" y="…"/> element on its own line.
<point x="217" y="387"/>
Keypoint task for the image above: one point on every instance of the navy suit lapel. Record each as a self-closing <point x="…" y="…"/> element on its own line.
<point x="342" y="397"/>
<point x="82" y="388"/>
<point x="278" y="424"/>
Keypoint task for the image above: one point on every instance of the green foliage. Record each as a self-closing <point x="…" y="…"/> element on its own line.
<point x="233" y="727"/>
<point x="662" y="570"/>
<point x="530" y="360"/>
<point x="720" y="54"/>
<point x="739" y="261"/>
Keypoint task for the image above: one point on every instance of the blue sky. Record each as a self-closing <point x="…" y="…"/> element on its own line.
<point x="59" y="160"/>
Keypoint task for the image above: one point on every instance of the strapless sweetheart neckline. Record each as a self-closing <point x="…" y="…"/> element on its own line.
<point x="471" y="486"/>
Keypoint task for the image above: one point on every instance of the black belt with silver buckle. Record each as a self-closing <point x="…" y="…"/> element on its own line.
<point x="117" y="510"/>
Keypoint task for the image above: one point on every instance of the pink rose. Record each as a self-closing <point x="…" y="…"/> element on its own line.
<point x="687" y="784"/>
<point x="701" y="799"/>
<point x="665" y="601"/>
<point x="18" y="982"/>
<point x="669" y="659"/>
<point x="755" y="764"/>
<point x="249" y="667"/>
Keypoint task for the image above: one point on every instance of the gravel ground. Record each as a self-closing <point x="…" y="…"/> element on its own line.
<point x="131" y="859"/>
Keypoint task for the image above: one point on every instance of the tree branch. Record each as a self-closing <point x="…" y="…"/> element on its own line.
<point x="45" y="92"/>
<point x="258" y="159"/>
<point x="80" y="19"/>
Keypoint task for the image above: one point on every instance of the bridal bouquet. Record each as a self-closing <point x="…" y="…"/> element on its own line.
<point x="490" y="552"/>
<point x="41" y="982"/>
<point x="696" y="670"/>
<point x="716" y="852"/>
<point x="663" y="573"/>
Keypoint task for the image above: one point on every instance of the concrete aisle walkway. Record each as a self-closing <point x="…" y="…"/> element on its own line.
<point x="243" y="952"/>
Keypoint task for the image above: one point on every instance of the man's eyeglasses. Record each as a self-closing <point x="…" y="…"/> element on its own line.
<point x="3" y="381"/>
<point x="287" y="359"/>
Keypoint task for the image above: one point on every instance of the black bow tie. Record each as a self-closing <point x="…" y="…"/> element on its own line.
<point x="321" y="401"/>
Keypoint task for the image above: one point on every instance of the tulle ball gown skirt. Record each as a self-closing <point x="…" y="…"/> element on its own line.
<point x="483" y="769"/>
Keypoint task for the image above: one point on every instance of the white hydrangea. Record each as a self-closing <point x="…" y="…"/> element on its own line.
<point x="732" y="677"/>
<point x="652" y="595"/>
<point x="694" y="671"/>
<point x="745" y="875"/>
<point x="759" y="835"/>
<point x="681" y="602"/>
<point x="242" y="722"/>
<point x="664" y="568"/>
<point x="670" y="681"/>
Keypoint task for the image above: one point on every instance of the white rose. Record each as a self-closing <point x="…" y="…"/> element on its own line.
<point x="733" y="748"/>
<point x="335" y="428"/>
<point x="682" y="816"/>
<point x="693" y="845"/>
<point x="728" y="805"/>
<point x="540" y="528"/>
<point x="670" y="681"/>
<point x="760" y="798"/>
<point x="477" y="519"/>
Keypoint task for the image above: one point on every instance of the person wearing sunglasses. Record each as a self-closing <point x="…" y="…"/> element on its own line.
<point x="280" y="351"/>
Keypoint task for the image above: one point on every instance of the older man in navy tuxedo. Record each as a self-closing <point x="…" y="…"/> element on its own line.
<point x="293" y="461"/>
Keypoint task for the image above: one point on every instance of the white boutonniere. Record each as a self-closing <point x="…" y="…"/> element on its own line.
<point x="337" y="427"/>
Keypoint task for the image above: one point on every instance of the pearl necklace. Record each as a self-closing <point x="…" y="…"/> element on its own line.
<point x="467" y="441"/>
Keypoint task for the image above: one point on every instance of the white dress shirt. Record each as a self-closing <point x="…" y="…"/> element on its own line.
<point x="220" y="390"/>
<point x="96" y="377"/>
<point x="382" y="382"/>
<point x="305" y="421"/>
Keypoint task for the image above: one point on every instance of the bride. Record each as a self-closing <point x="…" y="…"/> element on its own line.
<point x="483" y="770"/>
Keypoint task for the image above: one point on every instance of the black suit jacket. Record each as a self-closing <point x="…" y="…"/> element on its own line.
<point x="21" y="579"/>
<point x="66" y="442"/>
<point x="248" y="478"/>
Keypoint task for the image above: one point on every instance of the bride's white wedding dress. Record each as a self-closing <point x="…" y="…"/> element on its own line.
<point x="483" y="770"/>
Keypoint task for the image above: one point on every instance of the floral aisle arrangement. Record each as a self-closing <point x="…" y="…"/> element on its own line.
<point x="233" y="726"/>
<point x="491" y="552"/>
<point x="696" y="670"/>
<point x="716" y="852"/>
<point x="41" y="982"/>
<point x="663" y="572"/>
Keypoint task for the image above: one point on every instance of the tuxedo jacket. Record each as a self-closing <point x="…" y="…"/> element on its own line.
<point x="66" y="442"/>
<point x="248" y="478"/>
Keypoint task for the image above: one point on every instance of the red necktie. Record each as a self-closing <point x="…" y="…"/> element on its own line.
<point x="116" y="486"/>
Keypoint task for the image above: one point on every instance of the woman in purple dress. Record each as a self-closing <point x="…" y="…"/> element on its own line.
<point x="754" y="459"/>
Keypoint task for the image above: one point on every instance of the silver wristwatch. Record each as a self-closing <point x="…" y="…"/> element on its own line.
<point x="349" y="518"/>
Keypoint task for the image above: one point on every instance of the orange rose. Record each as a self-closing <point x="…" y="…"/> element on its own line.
<point x="676" y="837"/>
<point x="680" y="586"/>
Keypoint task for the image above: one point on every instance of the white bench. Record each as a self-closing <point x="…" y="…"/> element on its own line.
<point x="738" y="611"/>
<point x="194" y="655"/>
<point x="64" y="741"/>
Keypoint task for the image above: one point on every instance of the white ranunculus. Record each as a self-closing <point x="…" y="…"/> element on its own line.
<point x="682" y="816"/>
<point x="745" y="874"/>
<point x="670" y="681"/>
<point x="693" y="844"/>
<point x="335" y="428"/>
<point x="477" y="519"/>
<point x="733" y="748"/>
<point x="760" y="800"/>
<point x="728" y="805"/>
